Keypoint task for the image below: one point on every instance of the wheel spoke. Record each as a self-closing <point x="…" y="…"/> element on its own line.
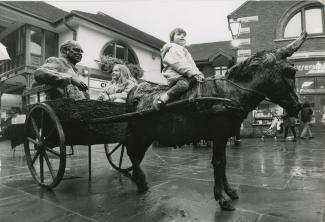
<point x="35" y="128"/>
<point x="41" y="167"/>
<point x="31" y="140"/>
<point x="115" y="148"/>
<point x="51" y="151"/>
<point x="49" y="165"/>
<point x="121" y="157"/>
<point x="49" y="134"/>
<point x="42" y="124"/>
<point x="35" y="157"/>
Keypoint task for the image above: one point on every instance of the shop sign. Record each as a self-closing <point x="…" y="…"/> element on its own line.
<point x="98" y="83"/>
<point x="246" y="19"/>
<point x="310" y="67"/>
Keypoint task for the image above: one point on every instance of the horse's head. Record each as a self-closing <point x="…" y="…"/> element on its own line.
<point x="271" y="75"/>
<point x="280" y="88"/>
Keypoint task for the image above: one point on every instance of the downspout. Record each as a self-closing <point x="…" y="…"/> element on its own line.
<point x="74" y="32"/>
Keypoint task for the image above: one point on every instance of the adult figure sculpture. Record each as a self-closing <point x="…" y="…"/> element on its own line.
<point x="62" y="74"/>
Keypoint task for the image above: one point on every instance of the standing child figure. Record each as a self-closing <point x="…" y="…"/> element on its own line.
<point x="179" y="67"/>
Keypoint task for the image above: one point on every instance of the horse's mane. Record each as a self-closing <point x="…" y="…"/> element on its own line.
<point x="244" y="70"/>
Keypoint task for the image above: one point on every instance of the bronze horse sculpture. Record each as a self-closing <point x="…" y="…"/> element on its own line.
<point x="266" y="74"/>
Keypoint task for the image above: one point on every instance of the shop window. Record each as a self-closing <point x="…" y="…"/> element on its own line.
<point x="305" y="83"/>
<point x="309" y="19"/>
<point x="320" y="82"/>
<point x="121" y="51"/>
<point x="220" y="70"/>
<point x="265" y="112"/>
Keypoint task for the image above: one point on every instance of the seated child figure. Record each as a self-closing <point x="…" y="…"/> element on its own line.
<point x="121" y="84"/>
<point x="179" y="67"/>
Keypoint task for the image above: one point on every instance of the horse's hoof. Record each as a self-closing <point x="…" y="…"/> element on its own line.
<point x="226" y="205"/>
<point x="142" y="188"/>
<point x="232" y="194"/>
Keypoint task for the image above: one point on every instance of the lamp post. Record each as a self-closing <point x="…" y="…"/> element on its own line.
<point x="234" y="26"/>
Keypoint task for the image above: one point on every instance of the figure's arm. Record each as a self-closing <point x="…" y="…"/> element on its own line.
<point x="122" y="95"/>
<point x="49" y="73"/>
<point x="176" y="58"/>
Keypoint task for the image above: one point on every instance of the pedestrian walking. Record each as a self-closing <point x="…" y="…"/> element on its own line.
<point x="305" y="117"/>
<point x="275" y="126"/>
<point x="289" y="123"/>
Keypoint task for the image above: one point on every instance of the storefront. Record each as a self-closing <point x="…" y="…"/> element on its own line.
<point x="311" y="86"/>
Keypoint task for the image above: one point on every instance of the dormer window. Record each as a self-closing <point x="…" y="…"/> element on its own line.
<point x="310" y="19"/>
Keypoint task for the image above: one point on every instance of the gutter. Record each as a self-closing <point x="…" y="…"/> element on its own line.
<point x="110" y="28"/>
<point x="74" y="32"/>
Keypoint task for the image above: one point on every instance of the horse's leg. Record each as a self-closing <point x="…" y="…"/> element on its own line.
<point x="232" y="193"/>
<point x="219" y="164"/>
<point x="136" y="148"/>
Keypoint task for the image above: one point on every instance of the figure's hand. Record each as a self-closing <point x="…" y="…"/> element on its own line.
<point x="80" y="84"/>
<point x="103" y="97"/>
<point x="199" y="77"/>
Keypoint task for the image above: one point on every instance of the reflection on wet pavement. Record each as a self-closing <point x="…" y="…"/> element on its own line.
<point x="276" y="181"/>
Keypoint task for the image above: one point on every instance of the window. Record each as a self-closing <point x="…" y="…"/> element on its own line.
<point x="306" y="19"/>
<point x="121" y="51"/>
<point x="305" y="83"/>
<point x="43" y="44"/>
<point x="15" y="43"/>
<point x="220" y="70"/>
<point x="320" y="82"/>
<point x="51" y="44"/>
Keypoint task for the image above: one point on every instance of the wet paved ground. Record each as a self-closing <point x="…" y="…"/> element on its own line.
<point x="276" y="181"/>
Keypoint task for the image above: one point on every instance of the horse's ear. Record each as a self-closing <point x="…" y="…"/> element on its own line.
<point x="288" y="50"/>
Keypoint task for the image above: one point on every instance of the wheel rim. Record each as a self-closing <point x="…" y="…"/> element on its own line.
<point x="118" y="158"/>
<point x="45" y="146"/>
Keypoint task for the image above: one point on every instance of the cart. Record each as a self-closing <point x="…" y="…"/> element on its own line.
<point x="50" y="126"/>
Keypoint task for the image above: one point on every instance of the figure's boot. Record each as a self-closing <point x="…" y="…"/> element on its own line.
<point x="160" y="102"/>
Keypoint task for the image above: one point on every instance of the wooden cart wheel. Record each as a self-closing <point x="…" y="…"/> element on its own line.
<point x="118" y="157"/>
<point x="45" y="146"/>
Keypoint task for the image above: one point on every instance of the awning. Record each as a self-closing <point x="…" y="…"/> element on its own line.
<point x="3" y="52"/>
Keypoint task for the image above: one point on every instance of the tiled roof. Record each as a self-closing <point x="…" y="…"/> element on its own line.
<point x="205" y="51"/>
<point x="120" y="27"/>
<point x="37" y="8"/>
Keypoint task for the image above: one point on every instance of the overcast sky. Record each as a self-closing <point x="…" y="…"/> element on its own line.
<point x="203" y="20"/>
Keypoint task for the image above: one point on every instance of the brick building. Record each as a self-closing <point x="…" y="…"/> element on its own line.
<point x="272" y="24"/>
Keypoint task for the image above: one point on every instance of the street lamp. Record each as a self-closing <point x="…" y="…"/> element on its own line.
<point x="234" y="27"/>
